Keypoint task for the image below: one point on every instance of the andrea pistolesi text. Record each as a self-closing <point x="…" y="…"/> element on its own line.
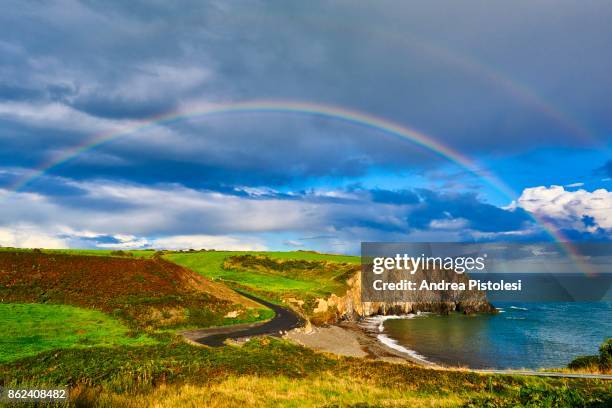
<point x="472" y="284"/>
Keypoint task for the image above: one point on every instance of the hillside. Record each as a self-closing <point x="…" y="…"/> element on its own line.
<point x="143" y="292"/>
<point x="322" y="288"/>
<point x="301" y="280"/>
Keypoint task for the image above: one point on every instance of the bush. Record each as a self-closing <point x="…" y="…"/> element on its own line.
<point x="536" y="396"/>
<point x="603" y="361"/>
<point x="121" y="253"/>
<point x="605" y="355"/>
<point x="584" y="362"/>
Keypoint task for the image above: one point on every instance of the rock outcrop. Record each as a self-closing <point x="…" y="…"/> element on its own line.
<point x="351" y="307"/>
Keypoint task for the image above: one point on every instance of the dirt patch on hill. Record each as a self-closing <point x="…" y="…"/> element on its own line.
<point x="144" y="292"/>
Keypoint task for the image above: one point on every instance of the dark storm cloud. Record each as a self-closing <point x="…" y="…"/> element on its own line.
<point x="238" y="151"/>
<point x="18" y="93"/>
<point x="461" y="73"/>
<point x="57" y="188"/>
<point x="121" y="108"/>
<point x="28" y="146"/>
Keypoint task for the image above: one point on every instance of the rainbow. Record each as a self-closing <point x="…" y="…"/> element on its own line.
<point x="517" y="90"/>
<point x="469" y="64"/>
<point x="353" y="117"/>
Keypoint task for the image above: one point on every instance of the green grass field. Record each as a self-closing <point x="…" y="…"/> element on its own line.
<point x="28" y="329"/>
<point x="273" y="285"/>
<point x="138" y="253"/>
<point x="210" y="263"/>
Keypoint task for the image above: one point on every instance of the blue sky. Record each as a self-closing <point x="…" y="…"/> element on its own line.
<point x="522" y="89"/>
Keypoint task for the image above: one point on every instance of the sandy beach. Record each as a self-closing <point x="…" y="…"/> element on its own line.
<point x="351" y="339"/>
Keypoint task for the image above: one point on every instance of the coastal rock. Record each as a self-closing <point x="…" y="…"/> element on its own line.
<point x="322" y="306"/>
<point x="351" y="307"/>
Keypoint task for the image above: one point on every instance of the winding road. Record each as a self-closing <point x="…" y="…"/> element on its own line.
<point x="284" y="320"/>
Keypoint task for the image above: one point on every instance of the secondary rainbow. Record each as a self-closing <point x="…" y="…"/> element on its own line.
<point x="469" y="64"/>
<point x="337" y="113"/>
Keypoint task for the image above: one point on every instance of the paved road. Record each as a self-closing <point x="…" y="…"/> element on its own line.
<point x="284" y="320"/>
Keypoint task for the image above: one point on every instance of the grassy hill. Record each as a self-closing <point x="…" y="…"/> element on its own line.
<point x="210" y="263"/>
<point x="295" y="278"/>
<point x="145" y="293"/>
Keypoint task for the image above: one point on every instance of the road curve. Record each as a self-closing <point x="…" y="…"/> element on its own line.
<point x="284" y="320"/>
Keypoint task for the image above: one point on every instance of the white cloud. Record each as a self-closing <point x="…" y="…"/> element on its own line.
<point x="59" y="116"/>
<point x="130" y="215"/>
<point x="574" y="185"/>
<point x="28" y="236"/>
<point x="218" y="242"/>
<point x="155" y="81"/>
<point x="567" y="208"/>
<point x="119" y="215"/>
<point x="294" y="243"/>
<point x="449" y="224"/>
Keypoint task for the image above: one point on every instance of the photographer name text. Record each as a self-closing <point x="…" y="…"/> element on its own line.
<point x="472" y="284"/>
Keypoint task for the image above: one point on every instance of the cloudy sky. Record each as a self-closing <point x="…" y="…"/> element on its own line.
<point x="520" y="90"/>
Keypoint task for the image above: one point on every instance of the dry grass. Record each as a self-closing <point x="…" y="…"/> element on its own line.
<point x="275" y="373"/>
<point x="590" y="369"/>
<point x="281" y="391"/>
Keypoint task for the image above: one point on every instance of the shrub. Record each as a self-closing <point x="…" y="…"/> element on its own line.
<point x="536" y="396"/>
<point x="121" y="253"/>
<point x="584" y="362"/>
<point x="605" y="355"/>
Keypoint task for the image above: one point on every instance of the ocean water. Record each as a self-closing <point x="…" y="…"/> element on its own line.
<point x="523" y="335"/>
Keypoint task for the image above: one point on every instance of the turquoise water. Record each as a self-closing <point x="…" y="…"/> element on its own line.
<point x="523" y="335"/>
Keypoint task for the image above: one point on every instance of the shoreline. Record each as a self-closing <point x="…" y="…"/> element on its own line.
<point x="354" y="340"/>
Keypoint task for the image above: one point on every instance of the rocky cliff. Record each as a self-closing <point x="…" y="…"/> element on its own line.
<point x="351" y="307"/>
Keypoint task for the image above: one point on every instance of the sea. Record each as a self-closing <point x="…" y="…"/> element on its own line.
<point x="530" y="335"/>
